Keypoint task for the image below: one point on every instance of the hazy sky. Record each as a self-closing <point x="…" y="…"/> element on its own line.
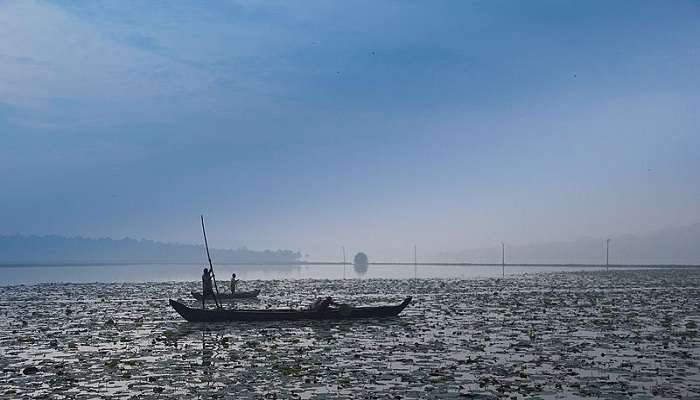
<point x="370" y="124"/>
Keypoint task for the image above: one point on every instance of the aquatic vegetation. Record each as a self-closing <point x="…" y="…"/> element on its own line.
<point x="614" y="334"/>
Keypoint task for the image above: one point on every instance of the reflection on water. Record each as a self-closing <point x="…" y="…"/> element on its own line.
<point x="180" y="273"/>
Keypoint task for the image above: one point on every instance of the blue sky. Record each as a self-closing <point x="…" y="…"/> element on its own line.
<point x="374" y="125"/>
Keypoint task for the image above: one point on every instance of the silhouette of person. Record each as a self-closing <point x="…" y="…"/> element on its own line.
<point x="207" y="288"/>
<point x="234" y="283"/>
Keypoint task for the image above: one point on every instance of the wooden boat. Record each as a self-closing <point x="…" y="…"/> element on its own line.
<point x="229" y="296"/>
<point x="225" y="315"/>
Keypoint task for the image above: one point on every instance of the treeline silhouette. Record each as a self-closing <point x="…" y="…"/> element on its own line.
<point x="60" y="249"/>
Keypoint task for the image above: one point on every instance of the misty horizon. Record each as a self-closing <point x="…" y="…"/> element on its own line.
<point x="672" y="245"/>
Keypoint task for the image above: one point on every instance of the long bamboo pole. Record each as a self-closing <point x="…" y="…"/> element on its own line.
<point x="211" y="266"/>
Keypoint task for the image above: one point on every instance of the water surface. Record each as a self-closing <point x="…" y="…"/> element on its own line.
<point x="12" y="275"/>
<point x="617" y="334"/>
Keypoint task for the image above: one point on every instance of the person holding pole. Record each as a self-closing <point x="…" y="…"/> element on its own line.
<point x="209" y="274"/>
<point x="234" y="283"/>
<point x="207" y="288"/>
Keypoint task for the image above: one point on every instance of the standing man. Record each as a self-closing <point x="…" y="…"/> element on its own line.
<point x="207" y="288"/>
<point x="234" y="283"/>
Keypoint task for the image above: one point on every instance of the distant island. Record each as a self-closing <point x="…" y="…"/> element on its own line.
<point x="54" y="249"/>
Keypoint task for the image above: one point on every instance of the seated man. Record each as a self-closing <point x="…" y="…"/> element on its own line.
<point x="315" y="304"/>
<point x="323" y="304"/>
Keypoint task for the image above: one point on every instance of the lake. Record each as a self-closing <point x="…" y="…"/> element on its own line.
<point x="14" y="275"/>
<point x="560" y="335"/>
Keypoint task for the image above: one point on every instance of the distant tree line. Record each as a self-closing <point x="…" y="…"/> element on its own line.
<point x="59" y="249"/>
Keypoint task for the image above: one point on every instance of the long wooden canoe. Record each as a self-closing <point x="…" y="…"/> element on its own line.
<point x="229" y="296"/>
<point x="225" y="315"/>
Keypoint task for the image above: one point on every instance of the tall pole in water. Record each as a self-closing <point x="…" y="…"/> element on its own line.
<point x="607" y="254"/>
<point x="503" y="259"/>
<point x="415" y="263"/>
<point x="343" y="262"/>
<point x="211" y="266"/>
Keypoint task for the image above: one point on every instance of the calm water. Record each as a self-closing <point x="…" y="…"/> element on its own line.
<point x="180" y="273"/>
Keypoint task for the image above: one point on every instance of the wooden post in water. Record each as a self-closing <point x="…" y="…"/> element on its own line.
<point x="503" y="259"/>
<point x="415" y="263"/>
<point x="343" y="262"/>
<point x="607" y="253"/>
<point x="211" y="266"/>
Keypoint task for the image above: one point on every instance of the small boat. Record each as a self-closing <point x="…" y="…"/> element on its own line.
<point x="226" y="315"/>
<point x="229" y="296"/>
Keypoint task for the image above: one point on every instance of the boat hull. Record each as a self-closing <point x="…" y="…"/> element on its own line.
<point x="223" y="315"/>
<point x="229" y="296"/>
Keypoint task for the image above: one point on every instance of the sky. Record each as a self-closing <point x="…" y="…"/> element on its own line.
<point x="373" y="125"/>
